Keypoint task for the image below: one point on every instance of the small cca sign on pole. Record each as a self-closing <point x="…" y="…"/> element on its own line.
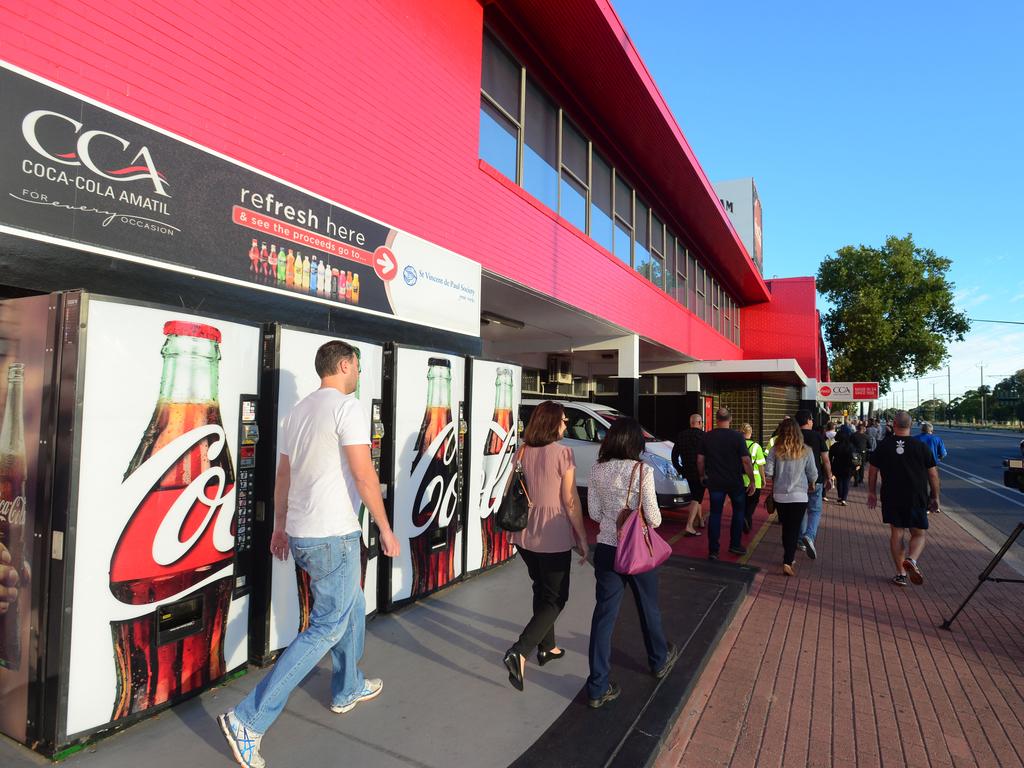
<point x="847" y="391"/>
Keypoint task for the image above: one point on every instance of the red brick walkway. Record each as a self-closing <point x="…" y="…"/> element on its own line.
<point x="838" y="667"/>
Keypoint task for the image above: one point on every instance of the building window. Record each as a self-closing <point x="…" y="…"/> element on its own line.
<point x="683" y="279"/>
<point x="500" y="113"/>
<point x="702" y="308"/>
<point x="642" y="246"/>
<point x="623" y="239"/>
<point x="716" y="302"/>
<point x="601" y="201"/>
<point x="575" y="189"/>
<point x="736" y="326"/>
<point x="540" y="155"/>
<point x="657" y="251"/>
<point x="671" y="275"/>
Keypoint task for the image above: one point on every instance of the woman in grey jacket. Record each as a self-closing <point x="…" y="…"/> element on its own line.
<point x="791" y="473"/>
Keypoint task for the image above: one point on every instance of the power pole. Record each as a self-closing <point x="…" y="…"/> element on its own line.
<point x="949" y="395"/>
<point x="919" y="395"/>
<point x="981" y="391"/>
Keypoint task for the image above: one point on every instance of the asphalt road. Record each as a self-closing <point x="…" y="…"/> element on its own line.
<point x="972" y="477"/>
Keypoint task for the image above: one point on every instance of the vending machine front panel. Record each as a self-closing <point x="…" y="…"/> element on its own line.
<point x="290" y="598"/>
<point x="495" y="393"/>
<point x="427" y="407"/>
<point x="153" y="618"/>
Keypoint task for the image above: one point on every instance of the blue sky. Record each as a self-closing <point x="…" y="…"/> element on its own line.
<point x="860" y="121"/>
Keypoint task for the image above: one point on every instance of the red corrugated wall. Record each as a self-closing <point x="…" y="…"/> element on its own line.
<point x="786" y="326"/>
<point x="372" y="103"/>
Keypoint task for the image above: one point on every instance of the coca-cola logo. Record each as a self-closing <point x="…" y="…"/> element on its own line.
<point x="496" y="470"/>
<point x="141" y="166"/>
<point x="12" y="511"/>
<point x="437" y="481"/>
<point x="175" y="531"/>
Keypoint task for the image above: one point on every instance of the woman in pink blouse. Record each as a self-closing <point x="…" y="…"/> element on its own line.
<point x="618" y="480"/>
<point x="555" y="528"/>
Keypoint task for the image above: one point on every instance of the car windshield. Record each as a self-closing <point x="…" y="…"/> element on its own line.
<point x="616" y="415"/>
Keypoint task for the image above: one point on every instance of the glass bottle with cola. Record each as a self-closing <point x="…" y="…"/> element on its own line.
<point x="12" y="509"/>
<point x="436" y="500"/>
<point x="181" y="531"/>
<point x="499" y="449"/>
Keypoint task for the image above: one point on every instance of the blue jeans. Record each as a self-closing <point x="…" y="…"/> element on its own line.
<point x="809" y="527"/>
<point x="610" y="588"/>
<point x="337" y="624"/>
<point x="739" y="506"/>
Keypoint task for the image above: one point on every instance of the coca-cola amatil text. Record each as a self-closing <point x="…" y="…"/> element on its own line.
<point x="180" y="533"/>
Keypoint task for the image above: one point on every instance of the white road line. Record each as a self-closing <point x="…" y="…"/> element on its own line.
<point x="979" y="482"/>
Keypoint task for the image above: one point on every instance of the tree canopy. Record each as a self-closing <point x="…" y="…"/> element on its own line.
<point x="892" y="314"/>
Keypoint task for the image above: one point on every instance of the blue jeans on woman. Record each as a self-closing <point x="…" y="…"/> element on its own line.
<point x="610" y="588"/>
<point x="337" y="624"/>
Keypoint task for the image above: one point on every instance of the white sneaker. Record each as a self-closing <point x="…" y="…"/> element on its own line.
<point x="371" y="690"/>
<point x="244" y="743"/>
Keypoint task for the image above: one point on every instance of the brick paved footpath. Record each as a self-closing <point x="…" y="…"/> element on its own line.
<point x="838" y="667"/>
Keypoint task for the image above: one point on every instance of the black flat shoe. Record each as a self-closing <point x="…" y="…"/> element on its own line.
<point x="543" y="657"/>
<point x="513" y="662"/>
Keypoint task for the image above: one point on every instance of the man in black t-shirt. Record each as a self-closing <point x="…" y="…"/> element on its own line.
<point x="908" y="474"/>
<point x="684" y="459"/>
<point x="816" y="442"/>
<point x="723" y="460"/>
<point x="860" y="446"/>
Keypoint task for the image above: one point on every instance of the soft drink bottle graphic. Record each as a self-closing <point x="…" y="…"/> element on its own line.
<point x="13" y="476"/>
<point x="254" y="258"/>
<point x="150" y="567"/>
<point x="289" y="274"/>
<point x="272" y="263"/>
<point x="314" y="278"/>
<point x="348" y="287"/>
<point x="263" y="260"/>
<point x="334" y="283"/>
<point x="436" y="500"/>
<point x="355" y="289"/>
<point x="499" y="449"/>
<point x="282" y="267"/>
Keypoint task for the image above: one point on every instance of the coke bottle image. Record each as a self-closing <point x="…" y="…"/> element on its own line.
<point x="436" y="499"/>
<point x="254" y="257"/>
<point x="181" y="531"/>
<point x="499" y="449"/>
<point x="263" y="259"/>
<point x="12" y="508"/>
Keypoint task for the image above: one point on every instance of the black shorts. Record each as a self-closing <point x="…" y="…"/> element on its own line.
<point x="901" y="517"/>
<point x="696" y="489"/>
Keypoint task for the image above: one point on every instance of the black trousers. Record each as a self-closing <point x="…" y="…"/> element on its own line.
<point x="791" y="514"/>
<point x="751" y="506"/>
<point x="549" y="572"/>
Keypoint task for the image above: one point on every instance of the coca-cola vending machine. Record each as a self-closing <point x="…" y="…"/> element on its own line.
<point x="494" y="393"/>
<point x="148" y="526"/>
<point x="424" y="396"/>
<point x="281" y="595"/>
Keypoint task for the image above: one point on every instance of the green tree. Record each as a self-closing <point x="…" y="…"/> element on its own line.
<point x="892" y="314"/>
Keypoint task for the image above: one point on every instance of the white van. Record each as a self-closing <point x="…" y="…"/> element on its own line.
<point x="589" y="423"/>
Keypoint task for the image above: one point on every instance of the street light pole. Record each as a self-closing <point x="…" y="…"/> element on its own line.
<point x="949" y="394"/>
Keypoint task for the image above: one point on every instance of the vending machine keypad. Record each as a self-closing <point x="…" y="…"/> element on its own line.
<point x="245" y="493"/>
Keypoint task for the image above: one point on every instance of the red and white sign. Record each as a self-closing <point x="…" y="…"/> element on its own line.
<point x="848" y="391"/>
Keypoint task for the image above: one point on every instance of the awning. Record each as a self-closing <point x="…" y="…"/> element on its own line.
<point x="780" y="371"/>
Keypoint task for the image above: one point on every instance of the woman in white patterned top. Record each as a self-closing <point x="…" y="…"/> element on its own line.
<point x="609" y="491"/>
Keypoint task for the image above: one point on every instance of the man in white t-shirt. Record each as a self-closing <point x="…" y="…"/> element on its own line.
<point x="324" y="470"/>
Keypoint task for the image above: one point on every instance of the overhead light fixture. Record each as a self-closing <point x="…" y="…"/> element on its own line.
<point x="490" y="317"/>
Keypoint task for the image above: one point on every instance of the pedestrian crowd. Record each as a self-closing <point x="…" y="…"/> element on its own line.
<point x="325" y="472"/>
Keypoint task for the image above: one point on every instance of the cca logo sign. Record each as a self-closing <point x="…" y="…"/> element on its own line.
<point x="140" y="167"/>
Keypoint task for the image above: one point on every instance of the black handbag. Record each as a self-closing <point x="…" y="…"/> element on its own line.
<point x="514" y="510"/>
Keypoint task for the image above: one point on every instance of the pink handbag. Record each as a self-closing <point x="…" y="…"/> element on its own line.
<point x="640" y="547"/>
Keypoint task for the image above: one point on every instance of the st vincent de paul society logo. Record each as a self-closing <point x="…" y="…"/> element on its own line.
<point x="410" y="276"/>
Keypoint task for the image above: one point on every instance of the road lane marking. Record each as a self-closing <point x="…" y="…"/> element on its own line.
<point x="978" y="482"/>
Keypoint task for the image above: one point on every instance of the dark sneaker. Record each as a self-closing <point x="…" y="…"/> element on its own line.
<point x="900" y="580"/>
<point x="809" y="548"/>
<point x="670" y="661"/>
<point x="371" y="690"/>
<point x="244" y="744"/>
<point x="610" y="695"/>
<point x="712" y="556"/>
<point x="738" y="550"/>
<point x="913" y="571"/>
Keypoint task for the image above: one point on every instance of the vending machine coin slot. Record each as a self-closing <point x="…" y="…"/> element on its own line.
<point x="245" y="493"/>
<point x="179" y="619"/>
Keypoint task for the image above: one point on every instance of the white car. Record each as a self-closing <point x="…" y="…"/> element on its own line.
<point x="589" y="423"/>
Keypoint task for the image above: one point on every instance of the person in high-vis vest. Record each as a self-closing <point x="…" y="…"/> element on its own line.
<point x="757" y="458"/>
